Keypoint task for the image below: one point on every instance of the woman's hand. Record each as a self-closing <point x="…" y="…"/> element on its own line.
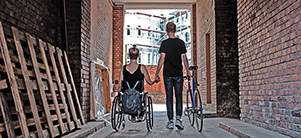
<point x="157" y="79"/>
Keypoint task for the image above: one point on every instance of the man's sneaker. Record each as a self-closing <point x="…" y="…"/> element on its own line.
<point x="170" y="125"/>
<point x="179" y="124"/>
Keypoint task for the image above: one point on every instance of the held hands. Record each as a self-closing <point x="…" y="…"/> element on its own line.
<point x="188" y="73"/>
<point x="157" y="79"/>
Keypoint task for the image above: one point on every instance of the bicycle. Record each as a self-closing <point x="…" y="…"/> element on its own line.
<point x="193" y="101"/>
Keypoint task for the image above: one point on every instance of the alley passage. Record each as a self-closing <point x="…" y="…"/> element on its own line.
<point x="138" y="130"/>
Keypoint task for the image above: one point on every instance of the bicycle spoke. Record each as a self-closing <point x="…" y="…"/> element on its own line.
<point x="198" y="111"/>
<point x="189" y="109"/>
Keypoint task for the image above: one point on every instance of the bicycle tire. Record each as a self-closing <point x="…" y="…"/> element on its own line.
<point x="189" y="108"/>
<point x="198" y="110"/>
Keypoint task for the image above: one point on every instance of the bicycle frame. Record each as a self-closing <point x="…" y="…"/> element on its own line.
<point x="194" y="87"/>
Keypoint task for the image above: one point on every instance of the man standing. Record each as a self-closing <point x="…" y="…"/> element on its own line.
<point x="172" y="51"/>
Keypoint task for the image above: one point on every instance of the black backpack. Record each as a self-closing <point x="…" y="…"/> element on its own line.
<point x="131" y="100"/>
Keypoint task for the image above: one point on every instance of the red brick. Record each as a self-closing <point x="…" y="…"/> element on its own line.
<point x="117" y="44"/>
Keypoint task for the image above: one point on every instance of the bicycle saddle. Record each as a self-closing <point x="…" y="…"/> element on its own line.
<point x="193" y="67"/>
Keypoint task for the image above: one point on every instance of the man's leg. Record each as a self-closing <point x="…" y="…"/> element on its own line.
<point x="168" y="83"/>
<point x="179" y="103"/>
<point x="178" y="93"/>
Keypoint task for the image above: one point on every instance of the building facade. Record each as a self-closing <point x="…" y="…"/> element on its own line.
<point x="146" y="29"/>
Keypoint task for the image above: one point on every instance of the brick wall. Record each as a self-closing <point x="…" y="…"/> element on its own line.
<point x="157" y="90"/>
<point x="85" y="57"/>
<point x="78" y="22"/>
<point x="101" y="31"/>
<point x="44" y="20"/>
<point x="270" y="64"/>
<point x="39" y="18"/>
<point x="117" y="43"/>
<point x="227" y="58"/>
<point x="205" y="24"/>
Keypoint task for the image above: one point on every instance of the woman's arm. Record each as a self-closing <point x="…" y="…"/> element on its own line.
<point x="120" y="79"/>
<point x="146" y="75"/>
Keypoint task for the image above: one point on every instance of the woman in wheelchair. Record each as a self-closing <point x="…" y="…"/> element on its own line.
<point x="133" y="72"/>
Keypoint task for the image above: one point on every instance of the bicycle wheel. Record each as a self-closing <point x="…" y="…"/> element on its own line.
<point x="189" y="109"/>
<point x="116" y="115"/>
<point x="149" y="114"/>
<point x="198" y="110"/>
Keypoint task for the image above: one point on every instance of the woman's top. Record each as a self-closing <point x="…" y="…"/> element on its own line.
<point x="132" y="78"/>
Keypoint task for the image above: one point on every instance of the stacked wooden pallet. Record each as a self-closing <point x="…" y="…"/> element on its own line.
<point x="38" y="97"/>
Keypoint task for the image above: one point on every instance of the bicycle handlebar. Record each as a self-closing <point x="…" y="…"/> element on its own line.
<point x="186" y="77"/>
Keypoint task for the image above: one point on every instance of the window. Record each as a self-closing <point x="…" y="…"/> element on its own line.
<point x="148" y="58"/>
<point x="128" y="32"/>
<point x="139" y="58"/>
<point x="187" y="15"/>
<point x="188" y="46"/>
<point x="156" y="58"/>
<point x="177" y="20"/>
<point x="139" y="32"/>
<point x="187" y="37"/>
<point x="128" y="25"/>
<point x="208" y="68"/>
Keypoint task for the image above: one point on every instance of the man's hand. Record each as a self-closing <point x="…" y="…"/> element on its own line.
<point x="188" y="73"/>
<point x="157" y="79"/>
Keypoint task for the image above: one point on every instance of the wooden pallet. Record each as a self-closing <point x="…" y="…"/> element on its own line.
<point x="37" y="92"/>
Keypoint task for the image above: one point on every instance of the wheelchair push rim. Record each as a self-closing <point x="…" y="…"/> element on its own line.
<point x="149" y="114"/>
<point x="116" y="115"/>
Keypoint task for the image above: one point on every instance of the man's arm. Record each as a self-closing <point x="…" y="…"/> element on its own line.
<point x="185" y="60"/>
<point x="160" y="63"/>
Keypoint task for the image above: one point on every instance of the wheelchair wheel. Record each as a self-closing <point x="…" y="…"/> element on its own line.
<point x="149" y="114"/>
<point x="116" y="115"/>
<point x="198" y="110"/>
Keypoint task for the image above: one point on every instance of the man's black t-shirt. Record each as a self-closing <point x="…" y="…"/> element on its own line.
<point x="173" y="48"/>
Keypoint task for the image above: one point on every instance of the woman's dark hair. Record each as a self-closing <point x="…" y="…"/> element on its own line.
<point x="133" y="52"/>
<point x="170" y="27"/>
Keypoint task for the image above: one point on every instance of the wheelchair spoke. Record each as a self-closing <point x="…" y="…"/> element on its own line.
<point x="116" y="114"/>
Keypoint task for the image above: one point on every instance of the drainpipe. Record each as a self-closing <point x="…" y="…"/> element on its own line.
<point x="65" y="28"/>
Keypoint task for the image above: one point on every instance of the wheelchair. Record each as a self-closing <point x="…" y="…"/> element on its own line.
<point x="118" y="115"/>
